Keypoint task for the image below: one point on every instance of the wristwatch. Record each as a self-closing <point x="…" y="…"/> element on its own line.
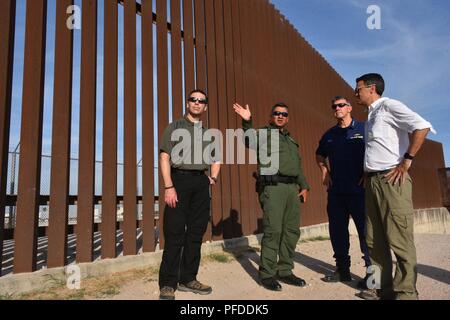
<point x="408" y="156"/>
<point x="214" y="178"/>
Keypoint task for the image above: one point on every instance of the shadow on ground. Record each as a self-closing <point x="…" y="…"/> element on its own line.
<point x="435" y="273"/>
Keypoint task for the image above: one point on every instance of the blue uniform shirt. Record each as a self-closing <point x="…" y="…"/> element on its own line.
<point x="344" y="148"/>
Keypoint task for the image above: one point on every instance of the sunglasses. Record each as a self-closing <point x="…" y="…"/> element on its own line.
<point x="278" y="113"/>
<point x="339" y="105"/>
<point x="200" y="101"/>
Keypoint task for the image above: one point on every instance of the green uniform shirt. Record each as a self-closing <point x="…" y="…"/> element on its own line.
<point x="186" y="151"/>
<point x="290" y="162"/>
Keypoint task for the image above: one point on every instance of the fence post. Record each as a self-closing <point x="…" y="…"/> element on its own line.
<point x="25" y="233"/>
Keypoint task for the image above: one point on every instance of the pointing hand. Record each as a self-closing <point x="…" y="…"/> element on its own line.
<point x="243" y="112"/>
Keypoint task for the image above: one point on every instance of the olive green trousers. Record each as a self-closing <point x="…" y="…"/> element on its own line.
<point x="390" y="226"/>
<point x="281" y="227"/>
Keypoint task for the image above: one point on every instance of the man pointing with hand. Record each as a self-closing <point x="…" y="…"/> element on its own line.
<point x="280" y="194"/>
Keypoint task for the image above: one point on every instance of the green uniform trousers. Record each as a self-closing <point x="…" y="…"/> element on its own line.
<point x="281" y="227"/>
<point x="390" y="225"/>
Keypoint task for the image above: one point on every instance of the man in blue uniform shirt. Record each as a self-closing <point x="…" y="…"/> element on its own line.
<point x="340" y="157"/>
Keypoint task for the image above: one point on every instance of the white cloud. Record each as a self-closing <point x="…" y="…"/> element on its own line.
<point x="415" y="57"/>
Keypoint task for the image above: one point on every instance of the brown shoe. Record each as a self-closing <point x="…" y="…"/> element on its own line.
<point x="376" y="294"/>
<point x="368" y="294"/>
<point x="195" y="287"/>
<point x="166" y="293"/>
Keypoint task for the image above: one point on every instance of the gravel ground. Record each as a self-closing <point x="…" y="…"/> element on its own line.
<point x="237" y="279"/>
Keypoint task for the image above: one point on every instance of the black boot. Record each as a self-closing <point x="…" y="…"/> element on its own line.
<point x="271" y="284"/>
<point x="362" y="284"/>
<point x="293" y="280"/>
<point x="340" y="275"/>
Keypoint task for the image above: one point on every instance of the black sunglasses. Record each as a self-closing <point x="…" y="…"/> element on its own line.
<point x="278" y="113"/>
<point x="200" y="101"/>
<point x="340" y="105"/>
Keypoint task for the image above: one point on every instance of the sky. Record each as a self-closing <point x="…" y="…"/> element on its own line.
<point x="411" y="50"/>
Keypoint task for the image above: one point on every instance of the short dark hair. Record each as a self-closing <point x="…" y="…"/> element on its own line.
<point x="279" y="104"/>
<point x="336" y="98"/>
<point x="373" y="78"/>
<point x="198" y="91"/>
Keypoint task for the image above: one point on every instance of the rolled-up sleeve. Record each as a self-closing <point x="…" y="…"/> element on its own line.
<point x="406" y="119"/>
<point x="166" y="144"/>
<point x="250" y="136"/>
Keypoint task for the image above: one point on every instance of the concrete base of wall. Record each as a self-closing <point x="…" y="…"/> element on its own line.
<point x="46" y="278"/>
<point x="433" y="220"/>
<point x="436" y="220"/>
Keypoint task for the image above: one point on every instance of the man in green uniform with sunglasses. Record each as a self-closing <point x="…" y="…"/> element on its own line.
<point x="281" y="186"/>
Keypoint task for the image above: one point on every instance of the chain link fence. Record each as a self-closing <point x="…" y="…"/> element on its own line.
<point x="12" y="188"/>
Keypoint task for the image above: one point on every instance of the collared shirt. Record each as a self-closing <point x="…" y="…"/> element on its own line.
<point x="183" y="141"/>
<point x="344" y="149"/>
<point x="289" y="160"/>
<point x="387" y="128"/>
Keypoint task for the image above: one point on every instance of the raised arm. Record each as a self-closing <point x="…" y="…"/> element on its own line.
<point x="250" y="140"/>
<point x="243" y="112"/>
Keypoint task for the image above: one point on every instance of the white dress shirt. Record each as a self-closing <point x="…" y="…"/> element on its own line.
<point x="387" y="128"/>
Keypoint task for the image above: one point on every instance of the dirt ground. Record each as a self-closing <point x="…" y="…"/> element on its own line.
<point x="236" y="278"/>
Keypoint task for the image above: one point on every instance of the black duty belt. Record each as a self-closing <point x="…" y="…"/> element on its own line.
<point x="274" y="179"/>
<point x="377" y="173"/>
<point x="285" y="179"/>
<point x="188" y="172"/>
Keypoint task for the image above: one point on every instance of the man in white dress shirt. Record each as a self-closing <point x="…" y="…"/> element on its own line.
<point x="390" y="217"/>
